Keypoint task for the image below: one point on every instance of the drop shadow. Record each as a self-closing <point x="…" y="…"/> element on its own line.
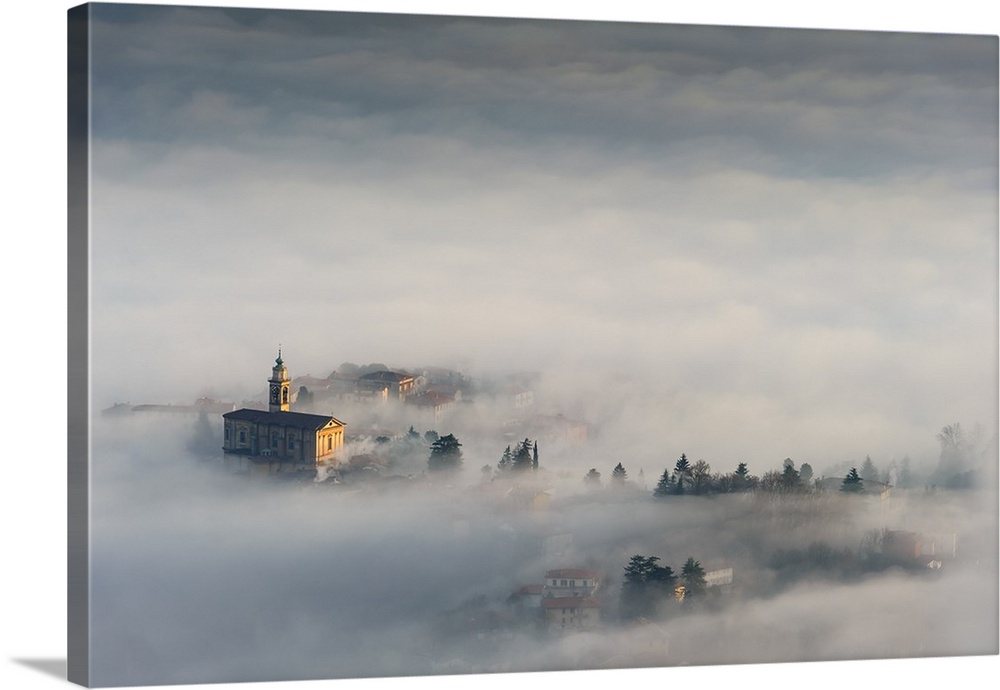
<point x="51" y="667"/>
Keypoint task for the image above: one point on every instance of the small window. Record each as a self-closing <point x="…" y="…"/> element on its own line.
<point x="291" y="443"/>
<point x="274" y="439"/>
<point x="243" y="435"/>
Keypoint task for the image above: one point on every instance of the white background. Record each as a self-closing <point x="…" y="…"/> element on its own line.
<point x="34" y="337"/>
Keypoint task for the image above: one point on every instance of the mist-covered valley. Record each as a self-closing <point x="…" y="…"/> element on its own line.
<point x="202" y="573"/>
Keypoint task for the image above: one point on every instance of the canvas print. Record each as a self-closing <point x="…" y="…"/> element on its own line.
<point x="414" y="345"/>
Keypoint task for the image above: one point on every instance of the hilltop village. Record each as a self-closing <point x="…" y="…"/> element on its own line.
<point x="387" y="420"/>
<point x="416" y="428"/>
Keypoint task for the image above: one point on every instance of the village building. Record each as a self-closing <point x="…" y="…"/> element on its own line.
<point x="571" y="582"/>
<point x="388" y="385"/>
<point x="430" y="408"/>
<point x="200" y="406"/>
<point x="278" y="439"/>
<point x="718" y="577"/>
<point x="514" y="397"/>
<point x="566" y="598"/>
<point x="572" y="614"/>
<point x="526" y="597"/>
<point x="556" y="429"/>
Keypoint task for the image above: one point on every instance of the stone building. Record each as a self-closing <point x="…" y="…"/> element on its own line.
<point x="279" y="439"/>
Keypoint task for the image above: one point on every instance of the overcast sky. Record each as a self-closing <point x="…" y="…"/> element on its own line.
<point x="784" y="233"/>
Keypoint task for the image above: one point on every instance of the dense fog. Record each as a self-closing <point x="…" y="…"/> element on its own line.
<point x="756" y="246"/>
<point x="202" y="574"/>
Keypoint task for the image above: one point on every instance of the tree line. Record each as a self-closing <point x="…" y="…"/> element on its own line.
<point x="647" y="586"/>
<point x="697" y="479"/>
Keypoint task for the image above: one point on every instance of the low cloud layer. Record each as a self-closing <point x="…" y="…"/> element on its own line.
<point x="793" y="229"/>
<point x="203" y="576"/>
<point x="741" y="244"/>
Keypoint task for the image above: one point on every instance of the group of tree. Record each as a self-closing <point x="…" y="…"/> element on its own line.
<point x="697" y="479"/>
<point x="647" y="586"/>
<point x="789" y="480"/>
<point x="446" y="454"/>
<point x="964" y="457"/>
<point x="522" y="458"/>
<point x="429" y="436"/>
<point x="689" y="479"/>
<point x="619" y="476"/>
<point x="819" y="560"/>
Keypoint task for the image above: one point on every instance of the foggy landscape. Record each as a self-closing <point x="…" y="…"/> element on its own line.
<point x="206" y="575"/>
<point x="756" y="246"/>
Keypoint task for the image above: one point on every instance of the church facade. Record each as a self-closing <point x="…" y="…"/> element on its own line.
<point x="279" y="437"/>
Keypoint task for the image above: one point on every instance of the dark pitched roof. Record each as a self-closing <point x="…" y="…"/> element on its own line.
<point x="430" y="399"/>
<point x="386" y="376"/>
<point x="300" y="420"/>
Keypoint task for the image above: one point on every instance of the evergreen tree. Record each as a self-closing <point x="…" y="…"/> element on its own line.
<point x="868" y="471"/>
<point x="806" y="473"/>
<point x="693" y="577"/>
<point x="506" y="461"/>
<point x="446" y="454"/>
<point x="534" y="457"/>
<point x="521" y="460"/>
<point x="790" y="479"/>
<point x="852" y="482"/>
<point x="741" y="477"/>
<point x="682" y="474"/>
<point x="593" y="477"/>
<point x="618" y="474"/>
<point x="645" y="585"/>
<point x="665" y="486"/>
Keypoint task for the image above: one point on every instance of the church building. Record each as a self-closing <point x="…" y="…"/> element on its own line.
<point x="279" y="437"/>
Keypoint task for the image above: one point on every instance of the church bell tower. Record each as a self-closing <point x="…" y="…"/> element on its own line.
<point x="279" y="386"/>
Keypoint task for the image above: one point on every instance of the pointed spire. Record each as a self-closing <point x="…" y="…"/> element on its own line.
<point x="278" y="361"/>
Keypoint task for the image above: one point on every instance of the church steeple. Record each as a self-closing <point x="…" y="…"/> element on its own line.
<point x="279" y="386"/>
